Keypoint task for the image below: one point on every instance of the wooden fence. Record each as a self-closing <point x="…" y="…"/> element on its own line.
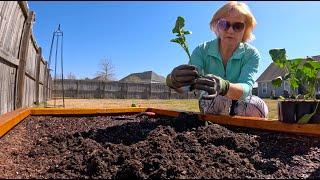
<point x="83" y="89"/>
<point x="24" y="75"/>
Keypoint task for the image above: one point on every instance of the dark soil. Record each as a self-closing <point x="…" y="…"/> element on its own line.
<point x="127" y="146"/>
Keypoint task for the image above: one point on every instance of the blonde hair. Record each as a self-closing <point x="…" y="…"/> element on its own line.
<point x="240" y="8"/>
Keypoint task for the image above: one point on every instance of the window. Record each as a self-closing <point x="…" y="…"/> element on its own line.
<point x="264" y="88"/>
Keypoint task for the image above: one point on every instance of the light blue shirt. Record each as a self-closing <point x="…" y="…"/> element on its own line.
<point x="241" y="67"/>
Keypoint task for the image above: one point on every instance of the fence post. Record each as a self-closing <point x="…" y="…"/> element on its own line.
<point x="47" y="83"/>
<point x="23" y="55"/>
<point x="44" y="82"/>
<point x="150" y="93"/>
<point x="38" y="74"/>
<point x="78" y="89"/>
<point x="126" y="90"/>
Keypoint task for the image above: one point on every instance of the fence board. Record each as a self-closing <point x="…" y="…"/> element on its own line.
<point x="18" y="53"/>
<point x="114" y="89"/>
<point x="31" y="59"/>
<point x="7" y="79"/>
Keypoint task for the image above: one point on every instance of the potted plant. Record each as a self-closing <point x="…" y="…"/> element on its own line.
<point x="301" y="107"/>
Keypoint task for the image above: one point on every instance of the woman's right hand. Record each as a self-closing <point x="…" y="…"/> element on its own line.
<point x="182" y="75"/>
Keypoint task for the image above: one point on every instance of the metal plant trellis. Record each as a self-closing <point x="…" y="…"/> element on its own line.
<point x="58" y="34"/>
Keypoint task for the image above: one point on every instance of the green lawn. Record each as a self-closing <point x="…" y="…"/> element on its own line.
<point x="173" y="104"/>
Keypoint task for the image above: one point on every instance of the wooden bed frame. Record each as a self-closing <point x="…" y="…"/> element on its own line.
<point x="11" y="119"/>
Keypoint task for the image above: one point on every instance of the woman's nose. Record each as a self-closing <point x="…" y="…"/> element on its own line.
<point x="230" y="30"/>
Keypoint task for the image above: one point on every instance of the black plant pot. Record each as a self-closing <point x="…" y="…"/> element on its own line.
<point x="304" y="107"/>
<point x="286" y="111"/>
<point x="316" y="117"/>
<point x="292" y="111"/>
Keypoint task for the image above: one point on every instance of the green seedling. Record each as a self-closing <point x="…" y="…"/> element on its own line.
<point x="180" y="33"/>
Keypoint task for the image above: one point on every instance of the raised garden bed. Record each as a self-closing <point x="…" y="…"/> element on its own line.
<point x="126" y="146"/>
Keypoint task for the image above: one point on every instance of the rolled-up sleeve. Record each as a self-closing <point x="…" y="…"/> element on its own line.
<point x="249" y="69"/>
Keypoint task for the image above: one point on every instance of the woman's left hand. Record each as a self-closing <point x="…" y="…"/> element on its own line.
<point x="212" y="84"/>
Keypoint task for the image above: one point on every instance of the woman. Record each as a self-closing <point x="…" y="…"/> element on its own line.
<point x="224" y="68"/>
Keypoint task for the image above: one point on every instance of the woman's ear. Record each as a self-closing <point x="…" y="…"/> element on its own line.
<point x="214" y="29"/>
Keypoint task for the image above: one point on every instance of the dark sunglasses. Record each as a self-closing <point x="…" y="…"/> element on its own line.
<point x="225" y="25"/>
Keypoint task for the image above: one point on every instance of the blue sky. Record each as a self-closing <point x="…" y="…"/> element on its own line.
<point x="135" y="36"/>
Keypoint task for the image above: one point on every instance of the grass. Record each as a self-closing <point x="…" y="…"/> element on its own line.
<point x="172" y="104"/>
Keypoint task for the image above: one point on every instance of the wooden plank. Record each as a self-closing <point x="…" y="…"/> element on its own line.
<point x="8" y="33"/>
<point x="13" y="27"/>
<point x="8" y="59"/>
<point x="23" y="56"/>
<point x="34" y="42"/>
<point x="11" y="100"/>
<point x="166" y="112"/>
<point x="260" y="123"/>
<point x="4" y="90"/>
<point x="31" y="60"/>
<point x="5" y="24"/>
<point x="24" y="7"/>
<point x="19" y="34"/>
<point x="38" y="74"/>
<point x="250" y="122"/>
<point x="45" y="86"/>
<point x="41" y="72"/>
<point x="1" y="87"/>
<point x="29" y="91"/>
<point x="11" y="119"/>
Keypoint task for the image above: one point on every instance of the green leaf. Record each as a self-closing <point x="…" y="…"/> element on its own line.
<point x="306" y="118"/>
<point x="187" y="32"/>
<point x="294" y="83"/>
<point x="309" y="70"/>
<point x="277" y="81"/>
<point x="179" y="25"/>
<point x="287" y="76"/>
<point x="314" y="64"/>
<point x="177" y="40"/>
<point x="181" y="35"/>
<point x="294" y="63"/>
<point x="278" y="56"/>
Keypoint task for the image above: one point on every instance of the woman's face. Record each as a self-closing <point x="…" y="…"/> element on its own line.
<point x="231" y="29"/>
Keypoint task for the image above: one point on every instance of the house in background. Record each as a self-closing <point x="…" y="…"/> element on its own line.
<point x="144" y="77"/>
<point x="265" y="87"/>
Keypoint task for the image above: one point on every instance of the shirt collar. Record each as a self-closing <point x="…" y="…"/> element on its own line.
<point x="214" y="50"/>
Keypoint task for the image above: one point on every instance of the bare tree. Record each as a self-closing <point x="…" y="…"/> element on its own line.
<point x="71" y="76"/>
<point x="106" y="69"/>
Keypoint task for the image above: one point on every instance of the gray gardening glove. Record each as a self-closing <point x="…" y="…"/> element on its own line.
<point x="182" y="75"/>
<point x="212" y="84"/>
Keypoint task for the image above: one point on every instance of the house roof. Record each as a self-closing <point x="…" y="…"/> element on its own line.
<point x="101" y="78"/>
<point x="271" y="73"/>
<point x="316" y="57"/>
<point x="144" y="77"/>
